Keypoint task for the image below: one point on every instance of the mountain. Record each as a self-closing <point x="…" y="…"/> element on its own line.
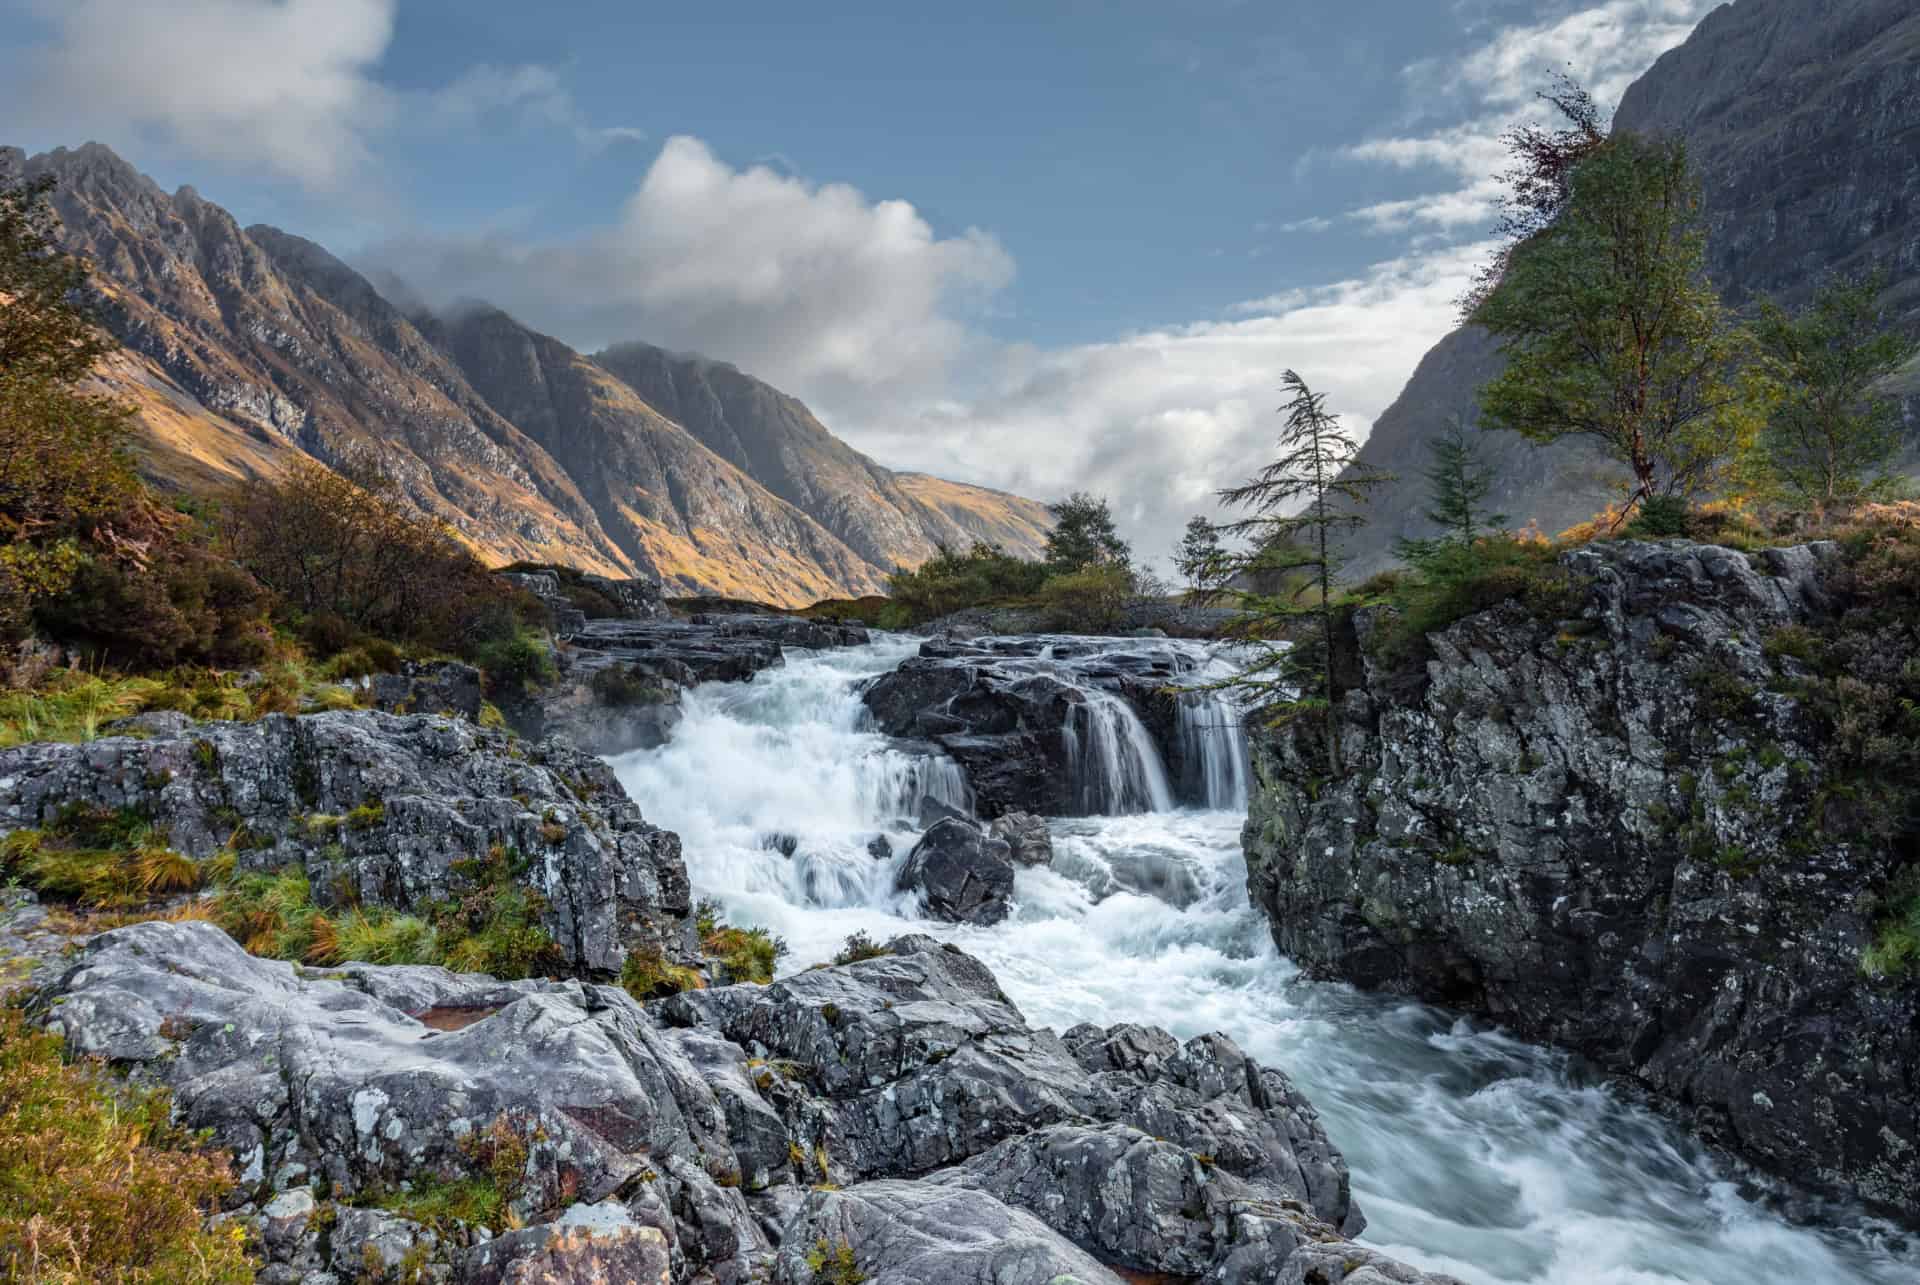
<point x="886" y="517"/>
<point x="246" y="348"/>
<point x="1802" y="118"/>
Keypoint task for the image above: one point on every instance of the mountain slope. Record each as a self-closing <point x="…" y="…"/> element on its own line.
<point x="1803" y="118"/>
<point x="248" y="348"/>
<point x="776" y="439"/>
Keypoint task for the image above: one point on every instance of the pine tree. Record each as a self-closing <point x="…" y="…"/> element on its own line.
<point x="1830" y="437"/>
<point x="1200" y="557"/>
<point x="1318" y="464"/>
<point x="1459" y="482"/>
<point x="1084" y="536"/>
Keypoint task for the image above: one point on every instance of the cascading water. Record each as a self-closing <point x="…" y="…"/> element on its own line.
<point x="1112" y="760"/>
<point x="1471" y="1153"/>
<point x="1213" y="739"/>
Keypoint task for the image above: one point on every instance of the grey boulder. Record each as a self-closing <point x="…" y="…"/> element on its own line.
<point x="962" y="875"/>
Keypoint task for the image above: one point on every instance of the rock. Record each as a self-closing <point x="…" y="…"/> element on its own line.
<point x="587" y="1245"/>
<point x="29" y="940"/>
<point x="932" y="812"/>
<point x="430" y="687"/>
<point x="1606" y="831"/>
<point x="962" y="875"/>
<point x="391" y="808"/>
<point x="781" y="842"/>
<point x="880" y="848"/>
<point x="1026" y="836"/>
<point x="912" y="1233"/>
<point x="686" y="1139"/>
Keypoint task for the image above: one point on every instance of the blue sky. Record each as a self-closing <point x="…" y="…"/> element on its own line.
<point x="1038" y="245"/>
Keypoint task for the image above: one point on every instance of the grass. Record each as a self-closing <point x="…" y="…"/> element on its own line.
<point x="857" y="947"/>
<point x="1895" y="952"/>
<point x="746" y="954"/>
<point x="649" y="974"/>
<point x="96" y="1184"/>
<point x="833" y="1263"/>
<point x="100" y="859"/>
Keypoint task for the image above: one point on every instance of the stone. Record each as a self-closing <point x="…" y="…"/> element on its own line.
<point x="430" y="687"/>
<point x="392" y="808"/>
<point x="1026" y="836"/>
<point x="1605" y="831"/>
<point x="587" y="1245"/>
<point x="962" y="875"/>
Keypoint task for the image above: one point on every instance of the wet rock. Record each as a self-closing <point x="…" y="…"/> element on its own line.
<point x="880" y="848"/>
<point x="912" y="1233"/>
<point x="1026" y="836"/>
<point x="1605" y="831"/>
<point x="933" y="812"/>
<point x="781" y="842"/>
<point x="963" y="875"/>
<point x="391" y="809"/>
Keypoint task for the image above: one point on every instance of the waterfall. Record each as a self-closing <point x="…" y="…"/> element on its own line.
<point x="1467" y="1147"/>
<point x="1111" y="759"/>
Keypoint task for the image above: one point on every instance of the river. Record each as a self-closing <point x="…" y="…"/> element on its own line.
<point x="1471" y="1153"/>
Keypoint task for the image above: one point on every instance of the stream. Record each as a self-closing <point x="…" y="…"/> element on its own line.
<point x="1472" y="1153"/>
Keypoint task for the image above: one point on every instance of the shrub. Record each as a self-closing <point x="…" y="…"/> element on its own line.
<point x="833" y="1263"/>
<point x="949" y="582"/>
<point x="859" y="946"/>
<point x="1493" y="570"/>
<point x="649" y="974"/>
<point x="1896" y="947"/>
<point x="1660" y="517"/>
<point x="624" y="685"/>
<point x="1087" y="601"/>
<point x="747" y="954"/>
<point x="95" y="1184"/>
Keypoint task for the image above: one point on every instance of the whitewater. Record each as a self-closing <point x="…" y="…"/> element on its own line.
<point x="1471" y="1153"/>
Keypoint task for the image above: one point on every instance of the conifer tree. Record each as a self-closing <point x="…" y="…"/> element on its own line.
<point x="1200" y="557"/>
<point x="1298" y="506"/>
<point x="1830" y="438"/>
<point x="1084" y="536"/>
<point x="1459" y="482"/>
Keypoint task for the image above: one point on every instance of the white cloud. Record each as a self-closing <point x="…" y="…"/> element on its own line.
<point x="1604" y="46"/>
<point x="808" y="286"/>
<point x="287" y="87"/>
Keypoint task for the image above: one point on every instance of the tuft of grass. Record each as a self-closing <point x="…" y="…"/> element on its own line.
<point x="857" y="947"/>
<point x="72" y="706"/>
<point x="1895" y="952"/>
<point x="99" y="859"/>
<point x="747" y="954"/>
<point x="649" y="974"/>
<point x="834" y="1263"/>
<point x="96" y="1184"/>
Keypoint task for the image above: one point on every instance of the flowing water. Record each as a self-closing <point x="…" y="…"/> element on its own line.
<point x="1471" y="1152"/>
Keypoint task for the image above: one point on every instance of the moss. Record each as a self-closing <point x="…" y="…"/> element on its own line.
<point x="368" y="815"/>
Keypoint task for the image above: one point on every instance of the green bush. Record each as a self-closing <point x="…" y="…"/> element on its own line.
<point x="1090" y="600"/>
<point x="747" y="954"/>
<point x="1493" y="570"/>
<point x="948" y="582"/>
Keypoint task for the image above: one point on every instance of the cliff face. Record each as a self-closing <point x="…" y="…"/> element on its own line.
<point x="248" y="348"/>
<point x="1628" y="832"/>
<point x="1802" y="117"/>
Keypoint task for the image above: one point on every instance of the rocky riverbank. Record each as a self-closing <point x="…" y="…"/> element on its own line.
<point x="1634" y="831"/>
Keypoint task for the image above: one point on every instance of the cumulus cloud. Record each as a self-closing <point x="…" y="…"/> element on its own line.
<point x="283" y="87"/>
<point x="812" y="287"/>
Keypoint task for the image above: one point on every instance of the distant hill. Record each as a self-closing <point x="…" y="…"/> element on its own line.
<point x="249" y="347"/>
<point x="1803" y="120"/>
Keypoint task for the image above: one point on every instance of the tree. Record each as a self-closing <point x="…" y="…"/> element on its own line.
<point x="65" y="475"/>
<point x="1459" y="482"/>
<point x="1200" y="557"/>
<point x="1610" y="331"/>
<point x="1830" y="437"/>
<point x="1318" y="464"/>
<point x="1539" y="179"/>
<point x="1084" y="536"/>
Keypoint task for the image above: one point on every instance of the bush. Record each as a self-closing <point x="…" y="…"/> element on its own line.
<point x="649" y="974"/>
<point x="747" y="954"/>
<point x="949" y="582"/>
<point x="1091" y="600"/>
<point x="1493" y="570"/>
<point x="95" y="1184"/>
<point x="1660" y="517"/>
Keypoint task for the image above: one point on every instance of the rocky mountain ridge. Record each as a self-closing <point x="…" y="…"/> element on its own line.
<point x="248" y="347"/>
<point x="1801" y="117"/>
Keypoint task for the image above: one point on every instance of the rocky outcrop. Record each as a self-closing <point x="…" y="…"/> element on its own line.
<point x="1010" y="711"/>
<point x="1622" y="831"/>
<point x="962" y="875"/>
<point x="942" y="1138"/>
<point x="1028" y="840"/>
<point x="620" y="679"/>
<point x="384" y="810"/>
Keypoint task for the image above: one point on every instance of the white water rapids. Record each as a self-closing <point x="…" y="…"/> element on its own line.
<point x="1471" y="1152"/>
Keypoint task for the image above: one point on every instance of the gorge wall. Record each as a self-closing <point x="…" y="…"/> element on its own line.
<point x="1635" y="830"/>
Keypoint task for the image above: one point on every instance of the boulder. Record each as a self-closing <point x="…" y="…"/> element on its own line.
<point x="1026" y="836"/>
<point x="586" y="1245"/>
<point x="963" y="875"/>
<point x="430" y="687"/>
<point x="394" y="810"/>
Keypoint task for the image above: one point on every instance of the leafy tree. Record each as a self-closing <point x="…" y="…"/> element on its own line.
<point x="1200" y="557"/>
<point x="1830" y="437"/>
<point x="1317" y="463"/>
<point x="1611" y="333"/>
<point x="1084" y="536"/>
<point x="65" y="475"/>
<point x="1459" y="482"/>
<point x="1539" y="179"/>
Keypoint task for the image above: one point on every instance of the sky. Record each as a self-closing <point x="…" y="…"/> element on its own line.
<point x="1043" y="245"/>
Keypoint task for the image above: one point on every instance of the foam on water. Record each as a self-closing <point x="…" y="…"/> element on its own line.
<point x="1471" y="1152"/>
